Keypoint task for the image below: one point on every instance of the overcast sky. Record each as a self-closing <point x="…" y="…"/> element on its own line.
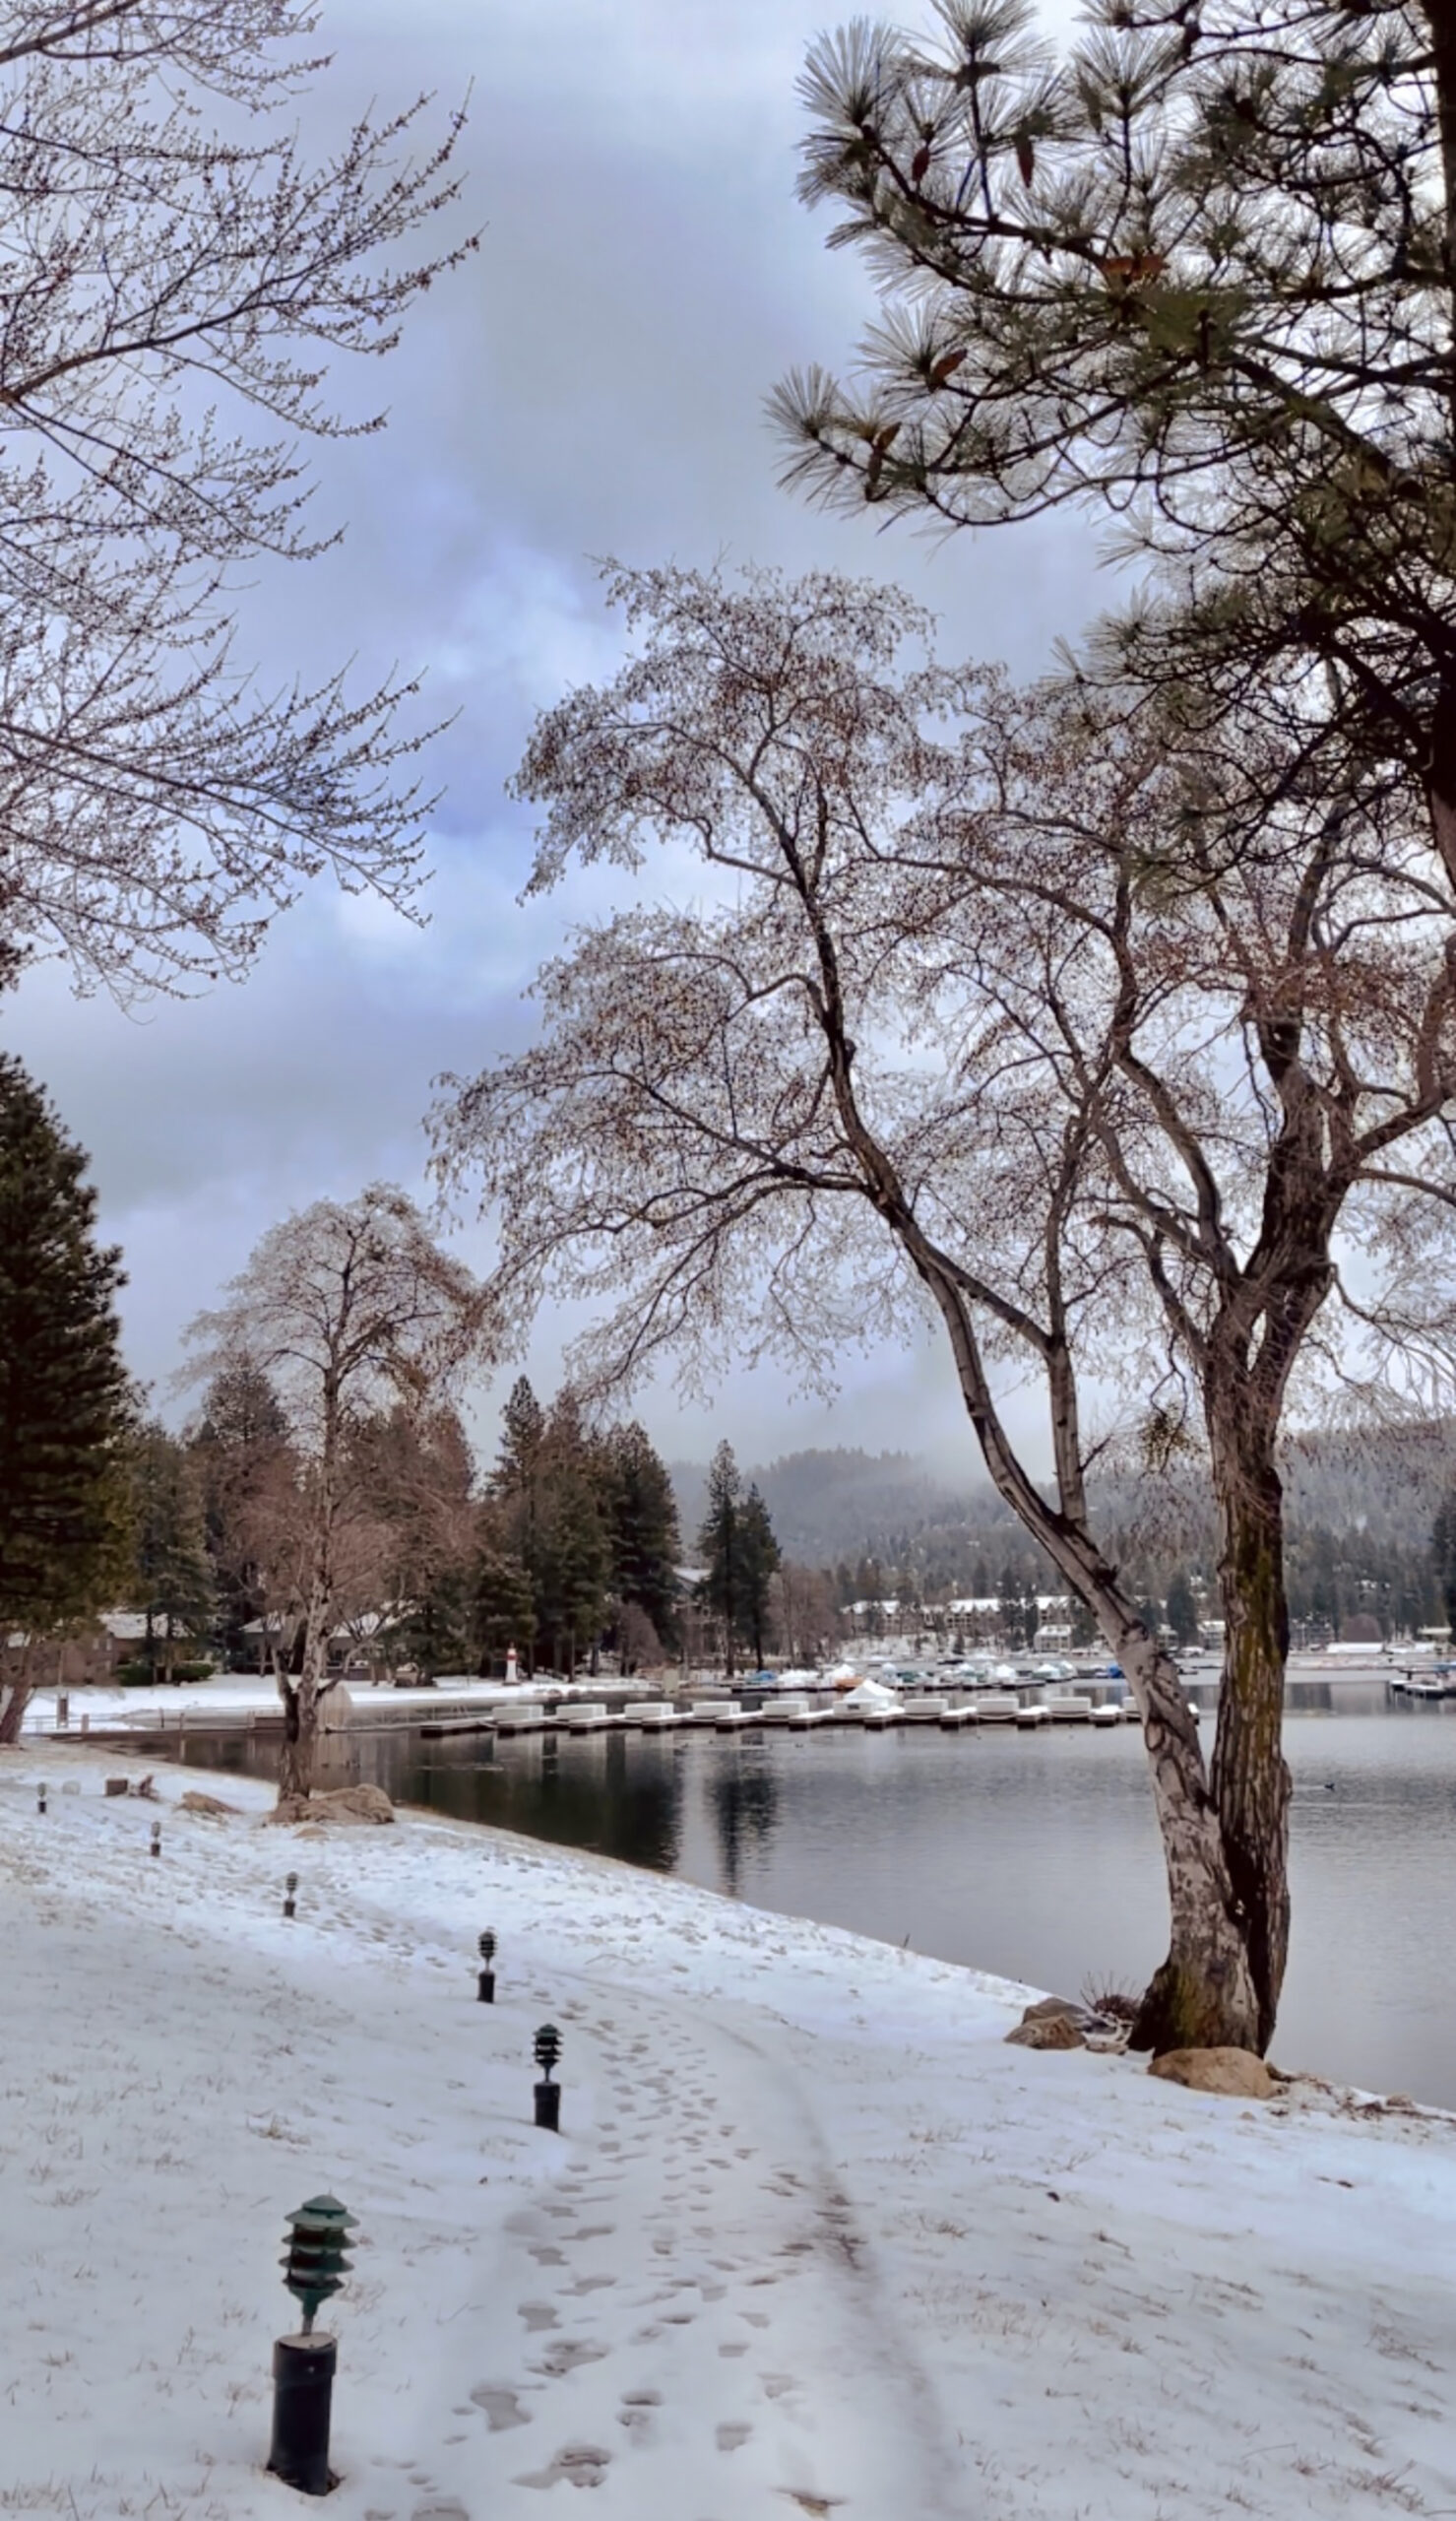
<point x="591" y="382"/>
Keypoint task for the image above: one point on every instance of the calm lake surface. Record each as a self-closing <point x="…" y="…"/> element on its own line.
<point x="1035" y="1855"/>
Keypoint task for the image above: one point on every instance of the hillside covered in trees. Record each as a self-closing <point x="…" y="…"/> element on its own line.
<point x="1371" y="1531"/>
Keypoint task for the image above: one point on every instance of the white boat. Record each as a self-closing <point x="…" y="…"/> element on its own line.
<point x="526" y="1716"/>
<point x="870" y="1702"/>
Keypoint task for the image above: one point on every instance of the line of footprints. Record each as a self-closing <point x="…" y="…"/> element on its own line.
<point x="583" y="2314"/>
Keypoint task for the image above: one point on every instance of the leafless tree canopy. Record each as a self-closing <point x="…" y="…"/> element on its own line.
<point x="176" y="281"/>
<point x="946" y="967"/>
<point x="971" y="1011"/>
<point x="346" y="1307"/>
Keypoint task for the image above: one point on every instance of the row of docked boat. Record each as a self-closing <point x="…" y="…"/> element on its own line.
<point x="872" y="1708"/>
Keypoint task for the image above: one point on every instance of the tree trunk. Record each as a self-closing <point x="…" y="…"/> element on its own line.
<point x="300" y="1693"/>
<point x="1203" y="1995"/>
<point x="13" y="1712"/>
<point x="1250" y="1778"/>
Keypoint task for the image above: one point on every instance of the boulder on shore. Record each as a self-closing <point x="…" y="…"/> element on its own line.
<point x="357" y="1806"/>
<point x="1047" y="2031"/>
<point x="211" y="1806"/>
<point x="1237" y="2073"/>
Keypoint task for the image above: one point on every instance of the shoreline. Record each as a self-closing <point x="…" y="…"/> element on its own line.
<point x="812" y="2238"/>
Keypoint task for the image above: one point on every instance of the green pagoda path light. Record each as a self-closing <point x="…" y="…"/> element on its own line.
<point x="485" y="1977"/>
<point x="157" y="1837"/>
<point x="41" y="1795"/>
<point x="314" y="2269"/>
<point x="290" y="1893"/>
<point x="547" y="2093"/>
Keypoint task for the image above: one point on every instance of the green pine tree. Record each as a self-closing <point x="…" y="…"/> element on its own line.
<point x="64" y="1402"/>
<point x="1181" y="1610"/>
<point x="642" y="1527"/>
<point x="172" y="1575"/>
<point x="718" y="1546"/>
<point x="758" y="1561"/>
<point x="737" y="1541"/>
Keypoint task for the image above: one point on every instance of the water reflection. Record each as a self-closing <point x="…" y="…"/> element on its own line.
<point x="1036" y="1855"/>
<point x="744" y="1803"/>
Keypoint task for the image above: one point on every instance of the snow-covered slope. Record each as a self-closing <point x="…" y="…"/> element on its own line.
<point x="813" y="2240"/>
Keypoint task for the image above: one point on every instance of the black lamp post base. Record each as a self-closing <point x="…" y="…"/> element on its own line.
<point x="302" y="2397"/>
<point x="548" y="2106"/>
<point x="486" y="1986"/>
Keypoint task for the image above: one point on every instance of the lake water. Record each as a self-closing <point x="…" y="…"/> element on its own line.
<point x="1035" y="1855"/>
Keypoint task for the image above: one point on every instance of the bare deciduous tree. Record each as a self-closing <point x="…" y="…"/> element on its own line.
<point x="345" y="1307"/>
<point x="957" y="1027"/>
<point x="177" y="280"/>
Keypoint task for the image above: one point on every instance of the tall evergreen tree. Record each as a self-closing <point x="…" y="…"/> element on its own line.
<point x="171" y="1576"/>
<point x="64" y="1407"/>
<point x="642" y="1527"/>
<point x="717" y="1544"/>
<point x="737" y="1541"/>
<point x="248" y="1472"/>
<point x="758" y="1562"/>
<point x="571" y="1560"/>
<point x="1181" y="1610"/>
<point x="503" y="1605"/>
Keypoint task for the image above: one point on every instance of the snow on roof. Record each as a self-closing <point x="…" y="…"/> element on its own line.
<point x="124" y="1626"/>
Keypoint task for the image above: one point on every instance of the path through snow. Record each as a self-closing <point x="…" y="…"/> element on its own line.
<point x="813" y="2240"/>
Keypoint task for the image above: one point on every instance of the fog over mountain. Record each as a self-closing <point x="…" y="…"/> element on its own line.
<point x="836" y="1508"/>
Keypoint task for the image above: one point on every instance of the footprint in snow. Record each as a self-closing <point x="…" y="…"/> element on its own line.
<point x="502" y="2408"/>
<point x="566" y="2355"/>
<point x="580" y="2463"/>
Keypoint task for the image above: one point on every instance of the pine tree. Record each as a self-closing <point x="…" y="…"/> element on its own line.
<point x="758" y="1561"/>
<point x="248" y="1475"/>
<point x="1196" y="273"/>
<point x="571" y="1560"/>
<point x="64" y="1405"/>
<point x="172" y="1577"/>
<point x="717" y="1544"/>
<point x="1181" y="1610"/>
<point x="549" y="1491"/>
<point x="642" y="1527"/>
<point x="503" y="1605"/>
<point x="737" y="1541"/>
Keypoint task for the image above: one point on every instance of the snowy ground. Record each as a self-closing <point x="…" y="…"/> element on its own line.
<point x="234" y="1693"/>
<point x="813" y="2240"/>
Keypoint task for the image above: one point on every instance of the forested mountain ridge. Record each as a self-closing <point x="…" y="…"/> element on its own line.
<point x="1362" y="1506"/>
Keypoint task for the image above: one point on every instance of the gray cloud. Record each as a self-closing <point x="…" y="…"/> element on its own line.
<point x="590" y="383"/>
